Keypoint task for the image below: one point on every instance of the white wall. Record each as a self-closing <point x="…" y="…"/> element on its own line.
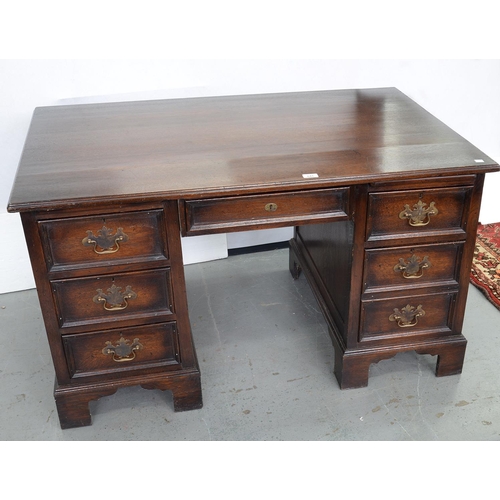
<point x="462" y="93"/>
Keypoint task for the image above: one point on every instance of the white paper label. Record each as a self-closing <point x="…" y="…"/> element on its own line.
<point x="479" y="161"/>
<point x="310" y="176"/>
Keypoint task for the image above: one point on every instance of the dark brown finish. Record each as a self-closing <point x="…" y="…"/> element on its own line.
<point x="376" y="321"/>
<point x="159" y="347"/>
<point x="217" y="215"/>
<point x="386" y="196"/>
<point x="369" y="334"/>
<point x="385" y="209"/>
<point x="225" y="146"/>
<point x="76" y="306"/>
<point x="65" y="240"/>
<point x="78" y="326"/>
<point x="383" y="268"/>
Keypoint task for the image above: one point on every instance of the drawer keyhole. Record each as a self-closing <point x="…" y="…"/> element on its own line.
<point x="271" y="207"/>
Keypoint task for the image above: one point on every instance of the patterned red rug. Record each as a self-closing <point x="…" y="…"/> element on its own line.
<point x="485" y="272"/>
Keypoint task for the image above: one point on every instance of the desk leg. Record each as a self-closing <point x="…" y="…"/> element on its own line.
<point x="350" y="371"/>
<point x="450" y="356"/>
<point x="294" y="265"/>
<point x="73" y="402"/>
<point x="186" y="391"/>
<point x="352" y="367"/>
<point x="73" y="405"/>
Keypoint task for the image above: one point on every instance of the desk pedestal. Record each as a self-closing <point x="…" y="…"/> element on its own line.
<point x="386" y="286"/>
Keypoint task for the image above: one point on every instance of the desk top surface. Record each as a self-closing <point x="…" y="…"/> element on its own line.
<point x="200" y="147"/>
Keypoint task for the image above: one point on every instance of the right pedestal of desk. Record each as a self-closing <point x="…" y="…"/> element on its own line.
<point x="395" y="276"/>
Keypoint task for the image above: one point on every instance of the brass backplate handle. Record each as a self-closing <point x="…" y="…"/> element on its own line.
<point x="123" y="351"/>
<point x="271" y="207"/>
<point x="413" y="269"/>
<point x="420" y="214"/>
<point x="407" y="316"/>
<point x="114" y="299"/>
<point x="105" y="242"/>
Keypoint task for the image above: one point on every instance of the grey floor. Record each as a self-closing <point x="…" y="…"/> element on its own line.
<point x="267" y="373"/>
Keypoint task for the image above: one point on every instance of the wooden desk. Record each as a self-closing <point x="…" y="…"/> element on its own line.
<point x="385" y="199"/>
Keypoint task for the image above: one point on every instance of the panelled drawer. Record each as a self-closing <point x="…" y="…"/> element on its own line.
<point x="406" y="316"/>
<point x="104" y="240"/>
<point x="411" y="266"/>
<point x="427" y="212"/>
<point x="295" y="208"/>
<point x="113" y="298"/>
<point x="146" y="347"/>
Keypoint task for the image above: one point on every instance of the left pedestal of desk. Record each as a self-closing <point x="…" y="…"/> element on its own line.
<point x="110" y="281"/>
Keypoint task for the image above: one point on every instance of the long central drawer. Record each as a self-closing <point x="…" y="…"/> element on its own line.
<point x="254" y="211"/>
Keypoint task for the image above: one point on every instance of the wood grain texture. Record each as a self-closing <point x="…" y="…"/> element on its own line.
<point x="150" y="150"/>
<point x="385" y="208"/>
<point x="204" y="165"/>
<point x="159" y="348"/>
<point x="144" y="233"/>
<point x="76" y="307"/>
<point x="375" y="323"/>
<point x="214" y="215"/>
<point x="441" y="269"/>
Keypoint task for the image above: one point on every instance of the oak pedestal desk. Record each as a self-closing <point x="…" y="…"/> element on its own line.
<point x="383" y="196"/>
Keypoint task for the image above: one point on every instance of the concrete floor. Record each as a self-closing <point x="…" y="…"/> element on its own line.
<point x="266" y="362"/>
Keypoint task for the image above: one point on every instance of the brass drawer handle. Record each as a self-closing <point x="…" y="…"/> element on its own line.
<point x="107" y="242"/>
<point x="407" y="316"/>
<point x="123" y="351"/>
<point x="413" y="268"/>
<point x="271" y="207"/>
<point x="114" y="300"/>
<point x="419" y="215"/>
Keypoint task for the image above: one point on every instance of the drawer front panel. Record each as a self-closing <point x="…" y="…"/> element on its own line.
<point x="406" y="214"/>
<point x="406" y="316"/>
<point x="412" y="266"/>
<point x="105" y="240"/>
<point x="224" y="214"/>
<point x="112" y="298"/>
<point x="128" y="349"/>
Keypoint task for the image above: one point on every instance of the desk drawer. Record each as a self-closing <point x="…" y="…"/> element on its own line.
<point x="113" y="298"/>
<point x="412" y="266"/>
<point x="406" y="316"/>
<point x="427" y="212"/>
<point x="105" y="239"/>
<point x="128" y="349"/>
<point x="254" y="211"/>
